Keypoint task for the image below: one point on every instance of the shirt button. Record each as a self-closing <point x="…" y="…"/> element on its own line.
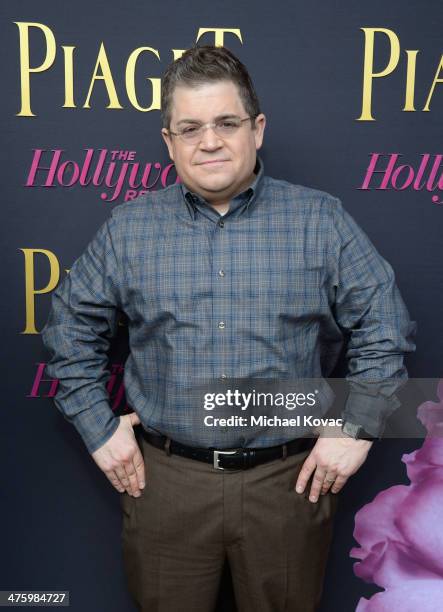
<point x="221" y="272"/>
<point x="221" y="325"/>
<point x="223" y="376"/>
<point x="221" y="223"/>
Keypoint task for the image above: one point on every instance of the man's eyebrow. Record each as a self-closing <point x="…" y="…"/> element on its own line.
<point x="218" y="118"/>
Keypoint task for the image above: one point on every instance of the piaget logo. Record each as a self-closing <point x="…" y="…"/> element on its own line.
<point x="102" y="72"/>
<point x="369" y="73"/>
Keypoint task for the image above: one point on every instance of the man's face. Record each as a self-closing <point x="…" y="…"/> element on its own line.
<point x="216" y="168"/>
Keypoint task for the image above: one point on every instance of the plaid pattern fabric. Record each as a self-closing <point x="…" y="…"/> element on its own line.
<point x="267" y="290"/>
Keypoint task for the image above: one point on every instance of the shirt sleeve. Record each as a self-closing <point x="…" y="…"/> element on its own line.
<point x="83" y="318"/>
<point x="369" y="307"/>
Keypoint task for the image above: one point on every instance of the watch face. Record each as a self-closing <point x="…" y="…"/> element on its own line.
<point x="356" y="431"/>
<point x="351" y="430"/>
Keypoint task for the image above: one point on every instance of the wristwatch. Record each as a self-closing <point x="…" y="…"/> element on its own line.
<point x="356" y="431"/>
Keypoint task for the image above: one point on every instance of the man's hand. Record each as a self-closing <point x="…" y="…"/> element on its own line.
<point x="334" y="461"/>
<point x="120" y="457"/>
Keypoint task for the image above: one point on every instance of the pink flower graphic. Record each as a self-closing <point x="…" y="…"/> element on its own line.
<point x="401" y="532"/>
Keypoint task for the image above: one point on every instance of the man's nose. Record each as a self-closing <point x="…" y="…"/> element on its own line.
<point x="210" y="140"/>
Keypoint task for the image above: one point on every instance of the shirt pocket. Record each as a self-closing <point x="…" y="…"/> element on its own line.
<point x="291" y="291"/>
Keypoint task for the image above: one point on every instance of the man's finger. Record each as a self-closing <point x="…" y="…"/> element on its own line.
<point x="328" y="482"/>
<point x="305" y="473"/>
<point x="317" y="483"/>
<point x="339" y="483"/>
<point x="139" y="466"/>
<point x="132" y="475"/>
<point x="114" y="480"/>
<point x="123" y="478"/>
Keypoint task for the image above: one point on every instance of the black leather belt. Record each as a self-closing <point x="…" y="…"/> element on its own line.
<point x="235" y="459"/>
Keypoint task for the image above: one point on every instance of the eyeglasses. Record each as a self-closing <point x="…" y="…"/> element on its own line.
<point x="193" y="132"/>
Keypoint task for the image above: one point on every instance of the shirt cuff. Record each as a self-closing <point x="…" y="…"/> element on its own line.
<point x="370" y="411"/>
<point x="96" y="425"/>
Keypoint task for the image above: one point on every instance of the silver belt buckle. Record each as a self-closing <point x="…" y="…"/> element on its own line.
<point x="217" y="466"/>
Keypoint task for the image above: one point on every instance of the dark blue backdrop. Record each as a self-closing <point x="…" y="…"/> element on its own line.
<point x="60" y="518"/>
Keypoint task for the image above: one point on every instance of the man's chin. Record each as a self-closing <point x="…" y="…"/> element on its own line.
<point x="214" y="187"/>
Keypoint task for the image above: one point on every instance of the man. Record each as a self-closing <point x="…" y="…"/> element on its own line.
<point x="231" y="274"/>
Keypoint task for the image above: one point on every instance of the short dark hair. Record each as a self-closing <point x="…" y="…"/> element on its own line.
<point x="208" y="64"/>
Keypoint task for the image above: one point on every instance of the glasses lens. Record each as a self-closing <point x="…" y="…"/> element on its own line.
<point x="223" y="128"/>
<point x="226" y="127"/>
<point x="191" y="133"/>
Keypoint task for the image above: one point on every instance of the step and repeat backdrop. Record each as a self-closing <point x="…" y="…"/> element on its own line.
<point x="353" y="95"/>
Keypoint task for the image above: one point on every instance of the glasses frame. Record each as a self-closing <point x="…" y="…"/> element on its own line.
<point x="211" y="124"/>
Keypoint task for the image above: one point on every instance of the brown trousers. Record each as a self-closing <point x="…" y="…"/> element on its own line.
<point x="189" y="517"/>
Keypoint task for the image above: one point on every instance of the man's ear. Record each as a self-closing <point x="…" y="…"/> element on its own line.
<point x="260" y="124"/>
<point x="168" y="140"/>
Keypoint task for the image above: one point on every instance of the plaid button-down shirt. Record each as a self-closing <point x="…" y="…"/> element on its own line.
<point x="265" y="291"/>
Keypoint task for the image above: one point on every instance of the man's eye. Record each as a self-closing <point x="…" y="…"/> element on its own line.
<point x="190" y="130"/>
<point x="228" y="124"/>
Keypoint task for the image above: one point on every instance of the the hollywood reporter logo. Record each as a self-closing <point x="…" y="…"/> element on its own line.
<point x="114" y="172"/>
<point x="386" y="172"/>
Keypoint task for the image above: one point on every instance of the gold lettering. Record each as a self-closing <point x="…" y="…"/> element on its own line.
<point x="177" y="53"/>
<point x="30" y="290"/>
<point x="436" y="80"/>
<point x="410" y="80"/>
<point x="219" y="34"/>
<point x="368" y="67"/>
<point x="25" y="68"/>
<point x="106" y="76"/>
<point x="130" y="81"/>
<point x="69" y="77"/>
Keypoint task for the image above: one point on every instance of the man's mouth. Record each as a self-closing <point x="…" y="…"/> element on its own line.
<point x="213" y="161"/>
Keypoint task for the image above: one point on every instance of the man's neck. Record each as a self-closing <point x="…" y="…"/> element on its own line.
<point x="222" y="206"/>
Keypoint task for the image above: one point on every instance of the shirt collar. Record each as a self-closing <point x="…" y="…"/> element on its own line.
<point x="238" y="205"/>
